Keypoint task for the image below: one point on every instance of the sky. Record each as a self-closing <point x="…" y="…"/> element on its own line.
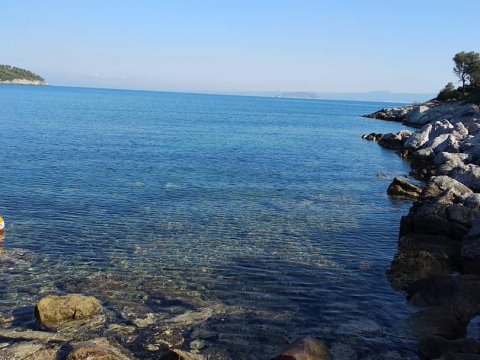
<point x="240" y="46"/>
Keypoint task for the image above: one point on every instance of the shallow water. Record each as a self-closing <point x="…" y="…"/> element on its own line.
<point x="267" y="205"/>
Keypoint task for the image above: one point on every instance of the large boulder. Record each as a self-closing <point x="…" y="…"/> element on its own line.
<point x="419" y="138"/>
<point x="448" y="322"/>
<point x="417" y="115"/>
<point x="451" y="220"/>
<point x="443" y="142"/>
<point x="306" y="348"/>
<point x="441" y="246"/>
<point x="394" y="141"/>
<point x="441" y="185"/>
<point x="400" y="187"/>
<point x="56" y="310"/>
<point x="410" y="266"/>
<point x="470" y="177"/>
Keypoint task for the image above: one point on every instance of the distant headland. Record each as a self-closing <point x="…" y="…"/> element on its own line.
<point x="11" y="75"/>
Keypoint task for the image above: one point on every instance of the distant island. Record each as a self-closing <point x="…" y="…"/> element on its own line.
<point x="12" y="75"/>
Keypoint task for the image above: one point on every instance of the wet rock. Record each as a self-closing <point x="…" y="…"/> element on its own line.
<point x="472" y="201"/>
<point x="170" y="338"/>
<point x="437" y="245"/>
<point x="307" y="348"/>
<point x="441" y="185"/>
<point x="470" y="250"/>
<point x="391" y="114"/>
<point x="446" y="322"/>
<point x="55" y="310"/>
<point x="31" y="350"/>
<point x="419" y="138"/>
<point x="197" y="344"/>
<point x="461" y="291"/>
<point x="410" y="266"/>
<point x="100" y="348"/>
<point x="147" y="321"/>
<point x="204" y="334"/>
<point x="400" y="187"/>
<point x="372" y="137"/>
<point x="33" y="335"/>
<point x="394" y="141"/>
<point x="434" y="347"/>
<point x="176" y="354"/>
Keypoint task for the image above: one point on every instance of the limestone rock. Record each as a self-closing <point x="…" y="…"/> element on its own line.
<point x="307" y="348"/>
<point x="55" y="310"/>
<point x="400" y="187"/>
<point x="425" y="155"/>
<point x="470" y="178"/>
<point x="439" y="185"/>
<point x="419" y="138"/>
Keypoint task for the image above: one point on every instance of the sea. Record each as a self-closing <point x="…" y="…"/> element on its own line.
<point x="270" y="212"/>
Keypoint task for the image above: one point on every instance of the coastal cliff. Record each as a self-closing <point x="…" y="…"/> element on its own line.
<point x="438" y="258"/>
<point x="11" y="75"/>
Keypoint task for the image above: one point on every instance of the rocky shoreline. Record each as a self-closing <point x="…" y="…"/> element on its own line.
<point x="438" y="258"/>
<point x="24" y="82"/>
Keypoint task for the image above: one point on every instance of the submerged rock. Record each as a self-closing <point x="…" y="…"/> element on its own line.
<point x="400" y="187"/>
<point x="307" y="348"/>
<point x="100" y="348"/>
<point x="30" y="350"/>
<point x="56" y="310"/>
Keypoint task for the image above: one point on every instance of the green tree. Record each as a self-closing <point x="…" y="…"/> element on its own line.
<point x="467" y="67"/>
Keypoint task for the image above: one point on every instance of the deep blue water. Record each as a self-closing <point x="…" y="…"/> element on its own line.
<point x="271" y="205"/>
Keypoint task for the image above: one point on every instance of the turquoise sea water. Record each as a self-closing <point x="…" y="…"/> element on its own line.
<point x="269" y="206"/>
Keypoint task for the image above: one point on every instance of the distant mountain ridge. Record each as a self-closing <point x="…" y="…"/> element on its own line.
<point x="382" y="96"/>
<point x="18" y="76"/>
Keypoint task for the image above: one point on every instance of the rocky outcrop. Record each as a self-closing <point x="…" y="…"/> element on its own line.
<point x="400" y="187"/>
<point x="391" y="114"/>
<point x="56" y="310"/>
<point x="452" y="111"/>
<point x="440" y="236"/>
<point x="24" y="82"/>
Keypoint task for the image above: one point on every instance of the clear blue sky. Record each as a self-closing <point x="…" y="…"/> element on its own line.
<point x="222" y="45"/>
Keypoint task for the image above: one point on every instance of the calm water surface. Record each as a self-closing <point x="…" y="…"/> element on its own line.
<point x="267" y="205"/>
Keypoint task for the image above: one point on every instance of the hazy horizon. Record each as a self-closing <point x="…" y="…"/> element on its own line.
<point x="249" y="47"/>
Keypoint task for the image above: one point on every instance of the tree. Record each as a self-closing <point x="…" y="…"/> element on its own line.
<point x="467" y="67"/>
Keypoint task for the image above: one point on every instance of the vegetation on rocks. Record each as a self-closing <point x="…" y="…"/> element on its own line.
<point x="11" y="73"/>
<point x="467" y="69"/>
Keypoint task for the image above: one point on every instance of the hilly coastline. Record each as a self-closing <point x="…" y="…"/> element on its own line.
<point x="11" y="75"/>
